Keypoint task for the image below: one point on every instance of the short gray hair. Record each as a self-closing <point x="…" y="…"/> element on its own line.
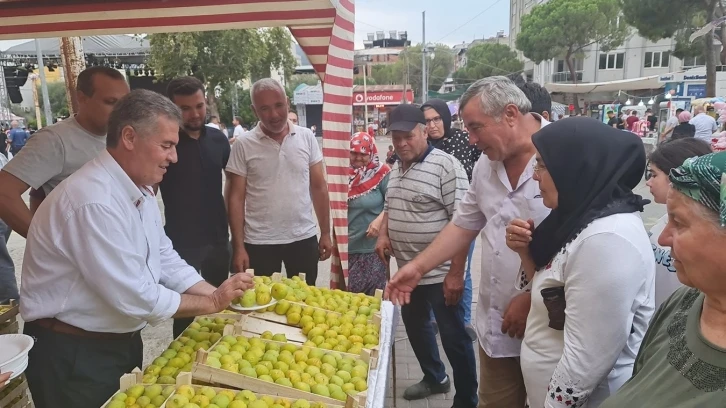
<point x="266" y="84"/>
<point x="495" y="93"/>
<point x="140" y="109"/>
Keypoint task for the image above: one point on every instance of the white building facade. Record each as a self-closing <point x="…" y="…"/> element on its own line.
<point x="635" y="58"/>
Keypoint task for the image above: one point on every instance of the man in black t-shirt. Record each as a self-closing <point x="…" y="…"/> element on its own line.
<point x="651" y="118"/>
<point x="614" y="121"/>
<point x="3" y="143"/>
<point x="195" y="210"/>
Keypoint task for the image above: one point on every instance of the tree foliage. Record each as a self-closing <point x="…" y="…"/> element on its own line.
<point x="439" y="67"/>
<point x="384" y="75"/>
<point x="298" y="79"/>
<point x="225" y="103"/>
<point x="564" y="28"/>
<point x="408" y="66"/>
<point x="658" y="19"/>
<point x="369" y="81"/>
<point x="58" y="104"/>
<point x="485" y="60"/>
<point x="221" y="58"/>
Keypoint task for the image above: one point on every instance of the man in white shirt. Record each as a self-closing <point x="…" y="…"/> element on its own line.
<point x="214" y="123"/>
<point x="57" y="151"/>
<point x="238" y="129"/>
<point x="671" y="123"/>
<point x="704" y="123"/>
<point x="496" y="113"/>
<point x="98" y="266"/>
<point x="276" y="178"/>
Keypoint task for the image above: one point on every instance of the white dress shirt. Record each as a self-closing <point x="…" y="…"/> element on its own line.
<point x="705" y="126"/>
<point x="489" y="205"/>
<point x="238" y="131"/>
<point x="97" y="256"/>
<point x="608" y="275"/>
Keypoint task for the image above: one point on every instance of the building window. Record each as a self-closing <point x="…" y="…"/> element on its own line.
<point x="658" y="59"/>
<point x="562" y="65"/>
<point x="698" y="61"/>
<point x="612" y="60"/>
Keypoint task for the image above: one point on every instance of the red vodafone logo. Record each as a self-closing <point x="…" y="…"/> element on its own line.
<point x="381" y="98"/>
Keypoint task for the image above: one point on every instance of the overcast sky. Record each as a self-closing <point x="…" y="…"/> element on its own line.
<point x="446" y="21"/>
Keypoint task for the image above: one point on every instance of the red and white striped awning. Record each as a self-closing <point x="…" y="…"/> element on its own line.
<point x="323" y="28"/>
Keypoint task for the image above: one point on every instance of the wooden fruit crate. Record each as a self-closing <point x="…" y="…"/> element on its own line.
<point x="238" y="330"/>
<point x="210" y="375"/>
<point x="20" y="389"/>
<point x="9" y="318"/>
<point x="256" y="325"/>
<point x="186" y="379"/>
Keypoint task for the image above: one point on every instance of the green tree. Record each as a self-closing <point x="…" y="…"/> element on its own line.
<point x="383" y="75"/>
<point x="657" y="19"/>
<point x="225" y="103"/>
<point x="369" y="81"/>
<point x="220" y="58"/>
<point x="298" y="79"/>
<point x="410" y="61"/>
<point x="408" y="66"/>
<point x="485" y="60"/>
<point x="564" y="28"/>
<point x="57" y="99"/>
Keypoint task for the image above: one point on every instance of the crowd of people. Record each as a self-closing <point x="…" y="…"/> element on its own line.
<point x="100" y="261"/>
<point x="608" y="313"/>
<point x="578" y="304"/>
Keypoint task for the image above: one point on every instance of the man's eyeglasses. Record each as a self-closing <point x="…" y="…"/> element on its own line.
<point x="435" y="121"/>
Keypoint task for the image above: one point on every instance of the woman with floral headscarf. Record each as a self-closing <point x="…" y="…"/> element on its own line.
<point x="682" y="360"/>
<point x="366" y="195"/>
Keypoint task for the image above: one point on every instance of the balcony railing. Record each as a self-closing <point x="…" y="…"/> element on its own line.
<point x="566" y="77"/>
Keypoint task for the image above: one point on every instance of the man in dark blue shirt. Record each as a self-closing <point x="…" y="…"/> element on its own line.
<point x="17" y="137"/>
<point x="194" y="206"/>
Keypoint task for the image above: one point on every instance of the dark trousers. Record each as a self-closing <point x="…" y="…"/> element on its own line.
<point x="457" y="344"/>
<point x="213" y="261"/>
<point x="15" y="150"/>
<point x="299" y="257"/>
<point x="66" y="371"/>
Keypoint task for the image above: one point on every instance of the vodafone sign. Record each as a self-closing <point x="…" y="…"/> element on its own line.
<point x="381" y="98"/>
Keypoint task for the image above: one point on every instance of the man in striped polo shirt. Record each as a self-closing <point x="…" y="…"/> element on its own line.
<point x="423" y="191"/>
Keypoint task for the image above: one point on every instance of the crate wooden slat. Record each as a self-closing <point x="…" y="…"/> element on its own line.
<point x="259" y="326"/>
<point x="19" y="389"/>
<point x="10" y="313"/>
<point x="10" y="328"/>
<point x="208" y="374"/>
<point x="186" y="379"/>
<point x="23" y="403"/>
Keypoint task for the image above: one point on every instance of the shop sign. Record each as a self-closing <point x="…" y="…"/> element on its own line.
<point x="308" y="96"/>
<point x="682" y="77"/>
<point x="696" y="90"/>
<point x="382" y="98"/>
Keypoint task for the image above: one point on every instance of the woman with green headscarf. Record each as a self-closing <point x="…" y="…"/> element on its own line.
<point x="682" y="360"/>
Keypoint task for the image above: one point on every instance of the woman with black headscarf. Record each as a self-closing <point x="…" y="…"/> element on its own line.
<point x="589" y="264"/>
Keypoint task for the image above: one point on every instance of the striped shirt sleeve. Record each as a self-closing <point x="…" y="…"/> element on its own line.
<point x="453" y="187"/>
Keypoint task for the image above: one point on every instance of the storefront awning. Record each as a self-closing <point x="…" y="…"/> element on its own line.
<point x="649" y="82"/>
<point x="323" y="28"/>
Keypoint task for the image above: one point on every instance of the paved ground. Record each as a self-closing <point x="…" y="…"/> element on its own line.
<point x="408" y="371"/>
